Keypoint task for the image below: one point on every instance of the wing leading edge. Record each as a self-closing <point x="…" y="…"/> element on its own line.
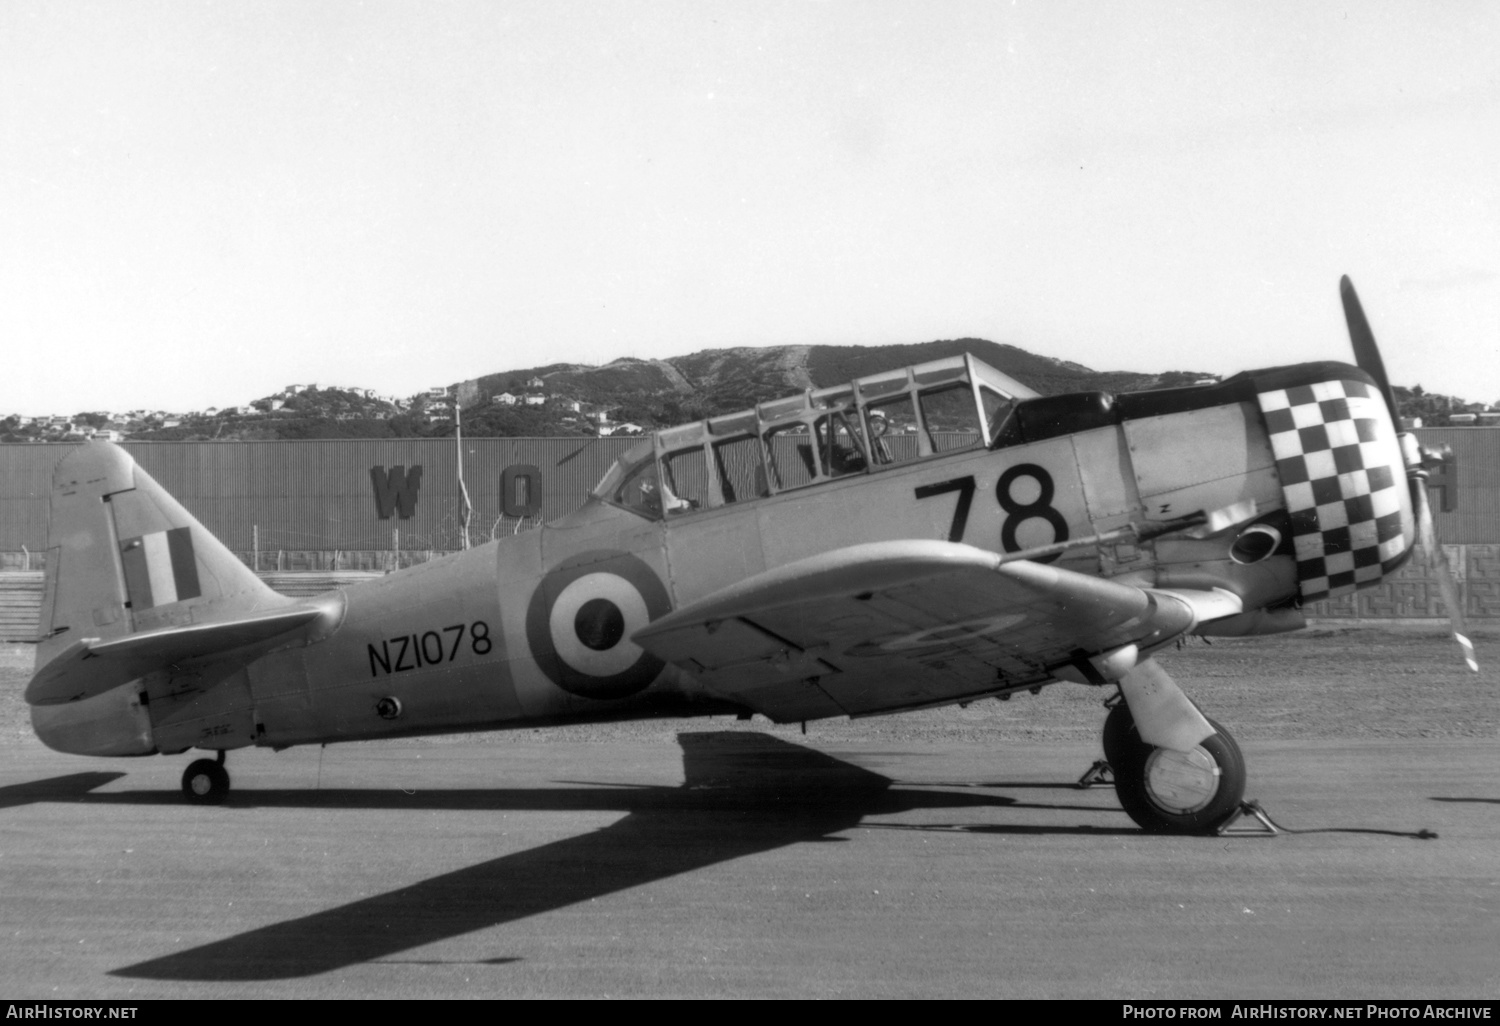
<point x="902" y="624"/>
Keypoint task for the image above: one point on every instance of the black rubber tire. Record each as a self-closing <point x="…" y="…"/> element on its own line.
<point x="205" y="782"/>
<point x="1131" y="758"/>
<point x="1116" y="726"/>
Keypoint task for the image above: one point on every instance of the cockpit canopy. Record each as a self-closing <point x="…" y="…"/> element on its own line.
<point x="822" y="434"/>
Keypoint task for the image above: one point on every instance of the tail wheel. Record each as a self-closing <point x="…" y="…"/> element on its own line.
<point x="205" y="782"/>
<point x="1174" y="792"/>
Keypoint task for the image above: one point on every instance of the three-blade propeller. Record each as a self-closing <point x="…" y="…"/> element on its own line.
<point x="1418" y="462"/>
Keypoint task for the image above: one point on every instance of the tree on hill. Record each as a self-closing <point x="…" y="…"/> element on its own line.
<point x="517" y="421"/>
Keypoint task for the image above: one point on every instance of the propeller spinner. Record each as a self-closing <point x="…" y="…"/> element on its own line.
<point x="1419" y="461"/>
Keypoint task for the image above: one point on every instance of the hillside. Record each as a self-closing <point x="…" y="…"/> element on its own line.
<point x="713" y="381"/>
<point x="577" y="399"/>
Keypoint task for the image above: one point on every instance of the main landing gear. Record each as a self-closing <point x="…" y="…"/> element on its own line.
<point x="1174" y="792"/>
<point x="206" y="781"/>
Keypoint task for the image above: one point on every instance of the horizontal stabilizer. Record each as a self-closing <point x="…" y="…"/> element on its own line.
<point x="91" y="666"/>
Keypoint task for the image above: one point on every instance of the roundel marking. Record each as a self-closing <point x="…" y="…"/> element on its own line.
<point x="590" y="621"/>
<point x="580" y="619"/>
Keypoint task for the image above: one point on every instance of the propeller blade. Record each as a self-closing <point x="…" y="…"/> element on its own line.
<point x="1367" y="356"/>
<point x="1366" y="352"/>
<point x="1446" y="583"/>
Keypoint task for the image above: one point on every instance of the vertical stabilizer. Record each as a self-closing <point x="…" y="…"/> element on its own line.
<point x="124" y="556"/>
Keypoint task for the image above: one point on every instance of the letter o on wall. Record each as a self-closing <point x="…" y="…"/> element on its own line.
<point x="521" y="491"/>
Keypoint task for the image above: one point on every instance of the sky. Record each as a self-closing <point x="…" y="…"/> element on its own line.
<point x="202" y="202"/>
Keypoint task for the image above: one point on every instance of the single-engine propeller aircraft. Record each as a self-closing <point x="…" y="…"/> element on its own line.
<point x="932" y="535"/>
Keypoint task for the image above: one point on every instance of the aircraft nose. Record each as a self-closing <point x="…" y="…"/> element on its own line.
<point x="1343" y="477"/>
<point x="112" y="724"/>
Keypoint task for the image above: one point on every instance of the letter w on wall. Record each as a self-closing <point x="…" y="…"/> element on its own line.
<point x="396" y="490"/>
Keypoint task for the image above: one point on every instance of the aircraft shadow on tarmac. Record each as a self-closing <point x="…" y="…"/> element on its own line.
<point x="72" y="787"/>
<point x="743" y="794"/>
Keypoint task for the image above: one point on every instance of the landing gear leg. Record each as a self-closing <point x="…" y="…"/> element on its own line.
<point x="206" y="781"/>
<point x="1166" y="791"/>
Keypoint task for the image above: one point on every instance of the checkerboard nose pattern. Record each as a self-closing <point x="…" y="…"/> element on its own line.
<point x="1344" y="481"/>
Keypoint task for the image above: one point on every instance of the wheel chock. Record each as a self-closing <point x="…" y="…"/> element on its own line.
<point x="1097" y="774"/>
<point x="1252" y="813"/>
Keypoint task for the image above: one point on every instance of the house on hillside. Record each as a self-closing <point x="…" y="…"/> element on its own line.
<point x="504" y="399"/>
<point x="536" y="400"/>
<point x="536" y="383"/>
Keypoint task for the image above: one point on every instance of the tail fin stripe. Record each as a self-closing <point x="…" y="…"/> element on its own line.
<point x="184" y="563"/>
<point x="137" y="574"/>
<point x="159" y="566"/>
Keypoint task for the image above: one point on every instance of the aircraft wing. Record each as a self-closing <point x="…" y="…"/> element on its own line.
<point x="901" y="624"/>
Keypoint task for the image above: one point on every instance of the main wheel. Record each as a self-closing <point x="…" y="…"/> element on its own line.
<point x="1174" y="792"/>
<point x="205" y="782"/>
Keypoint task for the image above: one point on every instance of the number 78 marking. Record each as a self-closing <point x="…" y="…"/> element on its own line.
<point x="964" y="486"/>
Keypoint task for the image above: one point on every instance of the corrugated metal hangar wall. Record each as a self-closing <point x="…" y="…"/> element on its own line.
<point x="318" y="497"/>
<point x="306" y="504"/>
